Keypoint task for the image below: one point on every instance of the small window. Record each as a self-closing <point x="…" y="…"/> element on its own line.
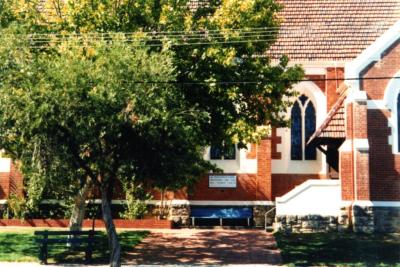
<point x="303" y="126"/>
<point x="223" y="152"/>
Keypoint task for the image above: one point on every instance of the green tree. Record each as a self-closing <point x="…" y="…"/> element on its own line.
<point x="224" y="83"/>
<point x="84" y="103"/>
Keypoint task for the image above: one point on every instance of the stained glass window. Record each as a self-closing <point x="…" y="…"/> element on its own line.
<point x="303" y="125"/>
<point x="296" y="150"/>
<point x="303" y="99"/>
<point x="310" y="151"/>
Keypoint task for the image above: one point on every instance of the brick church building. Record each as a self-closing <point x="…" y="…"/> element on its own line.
<point x="338" y="165"/>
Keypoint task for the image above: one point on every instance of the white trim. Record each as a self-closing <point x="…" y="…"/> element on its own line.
<point x="181" y="202"/>
<point x="3" y="201"/>
<point x="312" y="197"/>
<point x="361" y="144"/>
<point x="370" y="54"/>
<point x="285" y="164"/>
<point x="392" y="91"/>
<point x="346" y="146"/>
<point x="368" y="203"/>
<point x="304" y="186"/>
<point x="314" y="70"/>
<point x="356" y="96"/>
<point x="5" y="164"/>
<point x="376" y="104"/>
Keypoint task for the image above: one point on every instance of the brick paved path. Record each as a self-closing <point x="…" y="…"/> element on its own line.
<point x="192" y="246"/>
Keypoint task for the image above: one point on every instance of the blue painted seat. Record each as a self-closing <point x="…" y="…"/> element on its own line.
<point x="221" y="213"/>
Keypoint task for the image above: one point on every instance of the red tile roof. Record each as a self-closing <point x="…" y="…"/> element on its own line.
<point x="334" y="125"/>
<point x="332" y="30"/>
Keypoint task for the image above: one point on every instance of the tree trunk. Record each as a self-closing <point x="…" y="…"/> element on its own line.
<point x="115" y="248"/>
<point x="78" y="212"/>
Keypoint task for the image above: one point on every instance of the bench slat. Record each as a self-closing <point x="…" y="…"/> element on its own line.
<point x="64" y="240"/>
<point x="65" y="232"/>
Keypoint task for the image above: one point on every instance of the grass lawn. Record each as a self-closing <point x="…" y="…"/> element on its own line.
<point x="339" y="249"/>
<point x="21" y="246"/>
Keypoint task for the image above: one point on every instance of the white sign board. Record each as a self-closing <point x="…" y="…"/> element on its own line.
<point x="222" y="181"/>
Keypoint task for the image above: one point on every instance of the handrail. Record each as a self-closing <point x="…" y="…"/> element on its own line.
<point x="265" y="217"/>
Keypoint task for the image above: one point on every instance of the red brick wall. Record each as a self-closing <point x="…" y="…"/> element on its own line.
<point x="319" y="80"/>
<point x="332" y="85"/>
<point x="252" y="153"/>
<point x="346" y="175"/>
<point x="264" y="179"/>
<point x="16" y="180"/>
<point x="384" y="166"/>
<point x="249" y="186"/>
<point x="4" y="185"/>
<point x="363" y="187"/>
<point x="275" y="140"/>
<point x="360" y="120"/>
<point x="388" y="66"/>
<point x="141" y="224"/>
<point x="283" y="183"/>
<point x="246" y="189"/>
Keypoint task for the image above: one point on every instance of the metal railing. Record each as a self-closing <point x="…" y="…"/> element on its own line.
<point x="266" y="216"/>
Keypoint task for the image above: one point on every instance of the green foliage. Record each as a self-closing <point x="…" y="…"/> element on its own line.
<point x="135" y="196"/>
<point x="234" y="110"/>
<point x="16" y="206"/>
<point x="110" y="108"/>
<point x="78" y="110"/>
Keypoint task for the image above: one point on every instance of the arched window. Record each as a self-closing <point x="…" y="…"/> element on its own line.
<point x="398" y="122"/>
<point x="303" y="125"/>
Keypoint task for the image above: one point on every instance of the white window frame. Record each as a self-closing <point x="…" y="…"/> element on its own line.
<point x="303" y="126"/>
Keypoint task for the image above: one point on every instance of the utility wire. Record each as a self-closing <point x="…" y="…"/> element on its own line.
<point x="226" y="30"/>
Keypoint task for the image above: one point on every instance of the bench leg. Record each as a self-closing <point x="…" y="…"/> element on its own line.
<point x="89" y="249"/>
<point x="193" y="222"/>
<point x="43" y="253"/>
<point x="220" y="222"/>
<point x="248" y="222"/>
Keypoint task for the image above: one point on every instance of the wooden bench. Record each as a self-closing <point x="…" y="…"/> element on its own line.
<point x="45" y="238"/>
<point x="221" y="214"/>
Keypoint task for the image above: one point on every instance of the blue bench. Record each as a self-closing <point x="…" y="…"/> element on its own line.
<point x="221" y="213"/>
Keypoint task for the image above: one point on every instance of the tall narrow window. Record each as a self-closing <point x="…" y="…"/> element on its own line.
<point x="398" y="122"/>
<point x="296" y="133"/>
<point x="303" y="125"/>
<point x="311" y="152"/>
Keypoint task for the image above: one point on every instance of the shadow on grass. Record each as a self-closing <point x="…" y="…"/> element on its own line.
<point x="340" y="249"/>
<point x="22" y="247"/>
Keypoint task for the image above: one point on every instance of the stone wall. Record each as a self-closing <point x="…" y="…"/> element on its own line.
<point x="369" y="219"/>
<point x="305" y="223"/>
<point x="179" y="214"/>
